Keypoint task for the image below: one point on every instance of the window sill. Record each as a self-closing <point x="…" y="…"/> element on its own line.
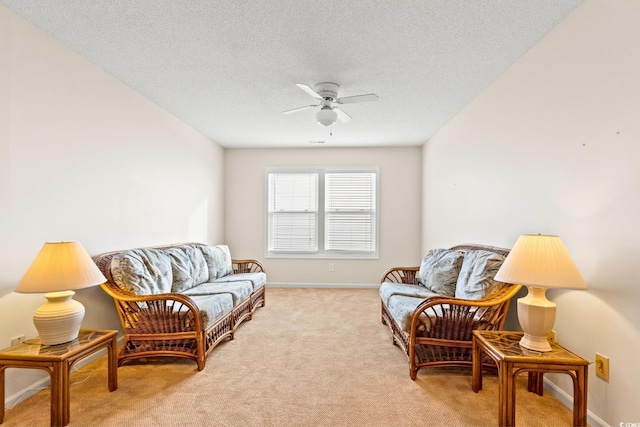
<point x="321" y="256"/>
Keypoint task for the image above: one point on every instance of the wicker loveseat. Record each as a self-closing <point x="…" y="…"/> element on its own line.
<point x="432" y="309"/>
<point x="180" y="300"/>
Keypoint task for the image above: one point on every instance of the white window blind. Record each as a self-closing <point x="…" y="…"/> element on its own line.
<point x="350" y="211"/>
<point x="322" y="212"/>
<point x="293" y="212"/>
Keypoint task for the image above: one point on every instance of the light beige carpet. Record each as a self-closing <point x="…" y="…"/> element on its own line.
<point x="311" y="357"/>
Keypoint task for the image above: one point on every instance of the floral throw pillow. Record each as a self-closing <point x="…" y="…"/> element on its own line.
<point x="144" y="271"/>
<point x="476" y="276"/>
<point x="439" y="271"/>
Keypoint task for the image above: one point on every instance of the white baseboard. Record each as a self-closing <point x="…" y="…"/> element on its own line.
<point x="592" y="419"/>
<point x="325" y="285"/>
<point x="14" y="399"/>
<point x="29" y="391"/>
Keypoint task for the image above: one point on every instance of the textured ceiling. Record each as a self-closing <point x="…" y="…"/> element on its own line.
<point x="229" y="68"/>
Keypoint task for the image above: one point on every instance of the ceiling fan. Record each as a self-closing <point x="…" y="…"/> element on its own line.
<point x="327" y="95"/>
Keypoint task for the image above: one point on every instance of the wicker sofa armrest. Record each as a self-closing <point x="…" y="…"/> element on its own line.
<point x="406" y="275"/>
<point x="451" y="318"/>
<point x="246" y="266"/>
<point x="158" y="313"/>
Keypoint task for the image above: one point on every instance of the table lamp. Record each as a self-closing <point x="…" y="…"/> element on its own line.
<point x="59" y="268"/>
<point x="539" y="262"/>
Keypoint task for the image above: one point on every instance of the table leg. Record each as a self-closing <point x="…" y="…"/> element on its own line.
<point x="506" y="394"/>
<point x="112" y="360"/>
<point x="59" y="396"/>
<point x="580" y="397"/>
<point x="535" y="382"/>
<point x="502" y="390"/>
<point x="2" y="367"/>
<point x="476" y="366"/>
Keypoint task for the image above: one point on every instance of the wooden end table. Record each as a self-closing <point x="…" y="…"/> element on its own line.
<point x="57" y="360"/>
<point x="512" y="359"/>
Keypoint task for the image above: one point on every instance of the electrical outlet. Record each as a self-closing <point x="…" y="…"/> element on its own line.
<point x="552" y="336"/>
<point x="602" y="366"/>
<point x="17" y="340"/>
<point x="332" y="266"/>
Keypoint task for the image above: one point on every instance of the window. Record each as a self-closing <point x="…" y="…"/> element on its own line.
<point x="293" y="212"/>
<point x="322" y="212"/>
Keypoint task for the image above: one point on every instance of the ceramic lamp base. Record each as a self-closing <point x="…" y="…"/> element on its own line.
<point x="536" y="315"/>
<point x="58" y="320"/>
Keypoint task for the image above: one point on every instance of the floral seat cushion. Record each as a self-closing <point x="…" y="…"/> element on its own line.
<point x="213" y="307"/>
<point x="389" y="289"/>
<point x="401" y="308"/>
<point x="258" y="279"/>
<point x="239" y="290"/>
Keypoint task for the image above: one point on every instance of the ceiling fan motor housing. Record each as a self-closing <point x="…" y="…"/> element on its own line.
<point x="327" y="90"/>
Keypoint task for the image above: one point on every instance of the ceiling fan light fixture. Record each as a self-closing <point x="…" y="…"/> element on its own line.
<point x="326" y="116"/>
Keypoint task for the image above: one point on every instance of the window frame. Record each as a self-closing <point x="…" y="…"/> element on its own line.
<point x="322" y="253"/>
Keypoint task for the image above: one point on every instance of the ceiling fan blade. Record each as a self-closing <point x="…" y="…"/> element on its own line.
<point x="293" y="110"/>
<point x="309" y="90"/>
<point x="342" y="116"/>
<point x="357" y="98"/>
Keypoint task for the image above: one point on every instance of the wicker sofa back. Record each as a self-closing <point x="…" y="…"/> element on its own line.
<point x="433" y="308"/>
<point x="180" y="300"/>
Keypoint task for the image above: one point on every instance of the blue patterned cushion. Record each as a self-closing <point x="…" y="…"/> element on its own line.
<point x="213" y="307"/>
<point x="476" y="276"/>
<point x="389" y="289"/>
<point x="142" y="271"/>
<point x="240" y="291"/>
<point x="401" y="309"/>
<point x="188" y="266"/>
<point x="218" y="259"/>
<point x="257" y="279"/>
<point x="439" y="271"/>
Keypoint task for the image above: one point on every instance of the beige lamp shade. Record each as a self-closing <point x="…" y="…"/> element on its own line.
<point x="540" y="260"/>
<point x="60" y="266"/>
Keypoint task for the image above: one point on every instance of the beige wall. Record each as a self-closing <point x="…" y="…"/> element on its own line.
<point x="554" y="147"/>
<point x="83" y="157"/>
<point x="400" y="172"/>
